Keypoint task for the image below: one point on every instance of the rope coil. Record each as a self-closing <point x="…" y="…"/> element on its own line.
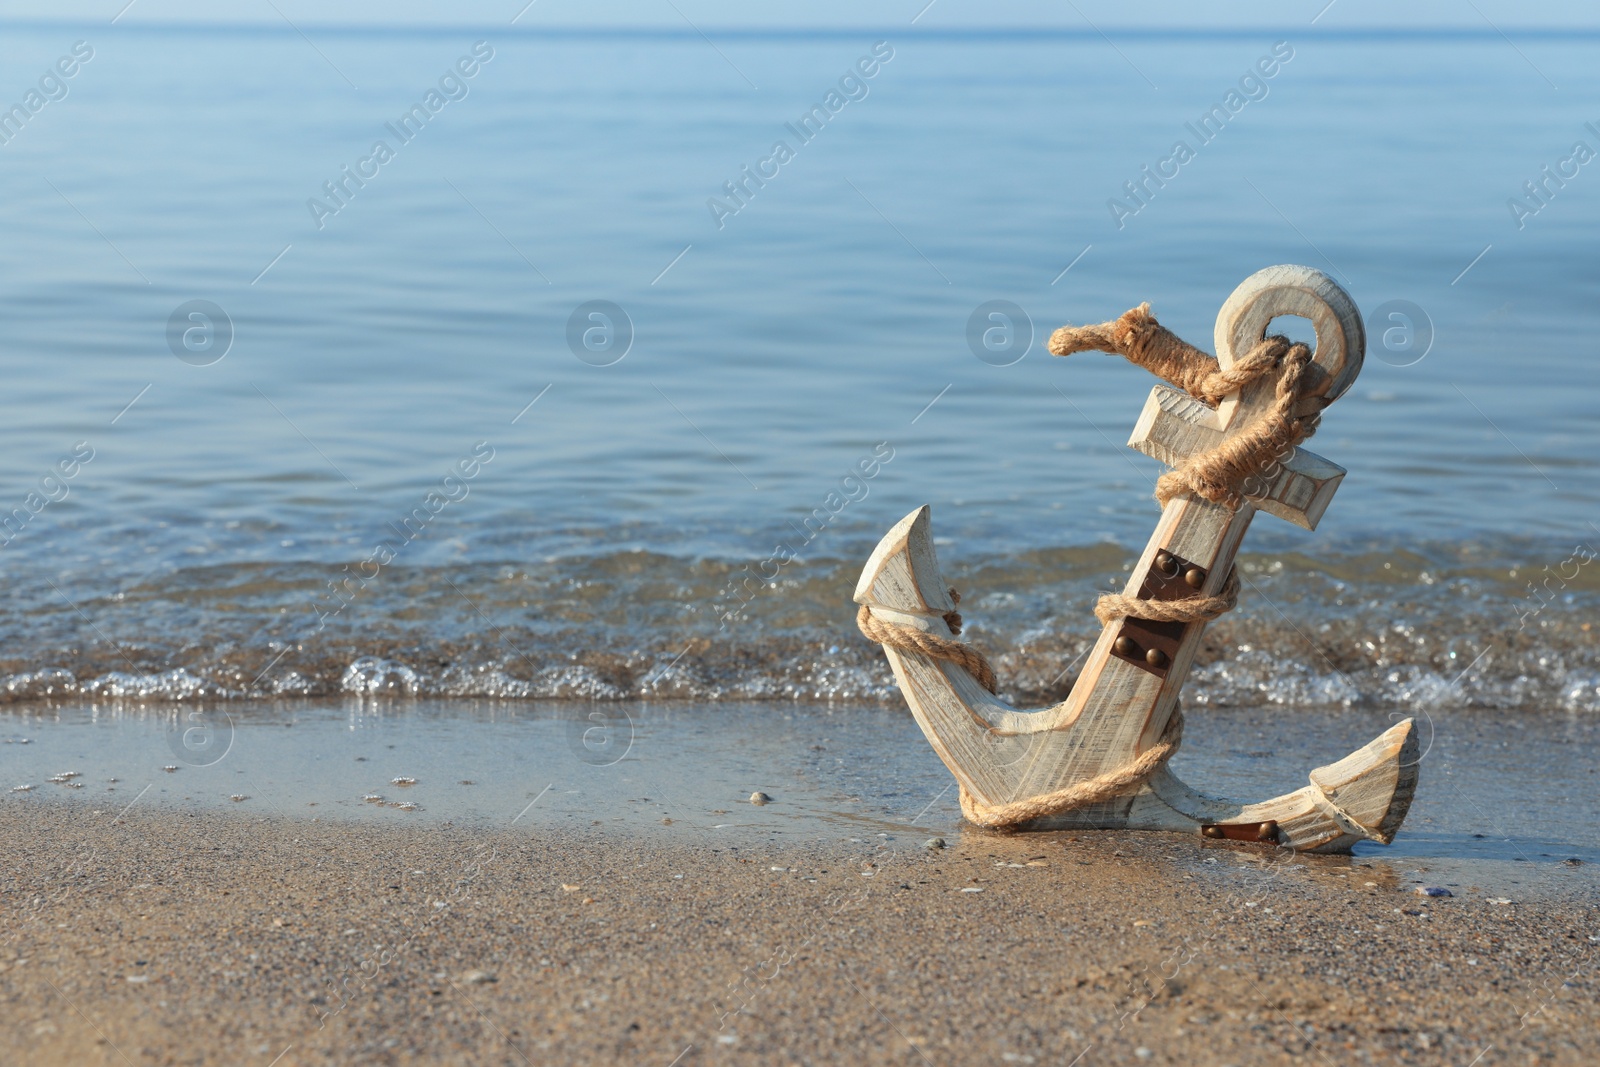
<point x="1217" y="475"/>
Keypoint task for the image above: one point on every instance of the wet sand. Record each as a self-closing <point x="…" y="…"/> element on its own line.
<point x="198" y="937"/>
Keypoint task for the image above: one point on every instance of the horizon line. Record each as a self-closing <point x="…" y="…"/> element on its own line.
<point x="778" y="32"/>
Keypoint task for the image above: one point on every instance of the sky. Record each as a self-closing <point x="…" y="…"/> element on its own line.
<point x="1487" y="16"/>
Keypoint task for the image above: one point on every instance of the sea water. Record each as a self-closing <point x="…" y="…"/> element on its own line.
<point x="580" y="387"/>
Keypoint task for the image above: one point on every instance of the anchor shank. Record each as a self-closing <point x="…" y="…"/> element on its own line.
<point x="1201" y="538"/>
<point x="1197" y="534"/>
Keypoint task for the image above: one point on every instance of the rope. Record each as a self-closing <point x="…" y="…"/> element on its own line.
<point x="1113" y="606"/>
<point x="1113" y="783"/>
<point x="910" y="639"/>
<point x="1218" y="473"/>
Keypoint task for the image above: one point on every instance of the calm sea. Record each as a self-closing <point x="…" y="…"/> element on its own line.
<point x="258" y="341"/>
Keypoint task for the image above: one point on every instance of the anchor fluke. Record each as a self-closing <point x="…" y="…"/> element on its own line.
<point x="902" y="574"/>
<point x="1373" y="786"/>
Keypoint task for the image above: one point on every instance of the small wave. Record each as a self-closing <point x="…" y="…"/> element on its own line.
<point x="34" y="685"/>
<point x="1255" y="677"/>
<point x="176" y="684"/>
<point x="1581" y="692"/>
<point x="290" y="683"/>
<point x="552" y="683"/>
<point x="373" y="674"/>
<point x="1388" y="629"/>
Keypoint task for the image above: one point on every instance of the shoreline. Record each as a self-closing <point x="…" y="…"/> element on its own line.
<point x="676" y="775"/>
<point x="201" y="937"/>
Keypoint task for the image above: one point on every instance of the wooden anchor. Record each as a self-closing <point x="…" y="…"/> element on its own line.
<point x="1108" y="741"/>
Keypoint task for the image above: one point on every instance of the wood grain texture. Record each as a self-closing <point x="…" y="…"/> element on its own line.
<point x="1118" y="709"/>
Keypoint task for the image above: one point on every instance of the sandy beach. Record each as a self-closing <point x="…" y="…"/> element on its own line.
<point x="169" y="937"/>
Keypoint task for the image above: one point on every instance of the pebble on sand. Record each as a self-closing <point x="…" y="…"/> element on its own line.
<point x="1433" y="891"/>
<point x="477" y="977"/>
<point x="933" y="842"/>
<point x="759" y="798"/>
